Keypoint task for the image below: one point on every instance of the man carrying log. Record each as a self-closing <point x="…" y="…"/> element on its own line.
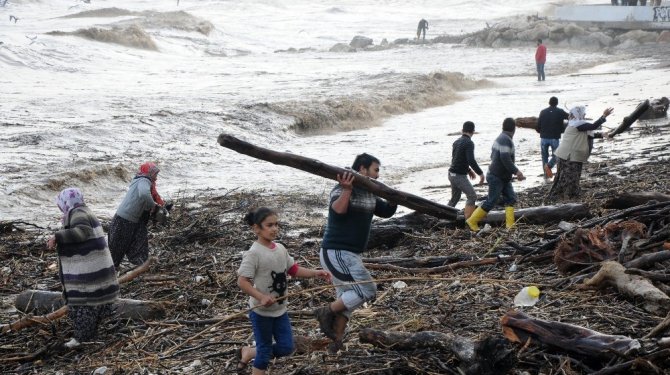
<point x="349" y="220"/>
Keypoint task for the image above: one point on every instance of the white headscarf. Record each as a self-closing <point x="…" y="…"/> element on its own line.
<point x="578" y="117"/>
<point x="68" y="199"/>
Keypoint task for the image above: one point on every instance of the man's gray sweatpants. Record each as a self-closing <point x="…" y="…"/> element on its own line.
<point x="346" y="268"/>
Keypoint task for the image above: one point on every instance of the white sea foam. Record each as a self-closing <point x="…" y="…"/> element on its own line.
<point x="76" y="111"/>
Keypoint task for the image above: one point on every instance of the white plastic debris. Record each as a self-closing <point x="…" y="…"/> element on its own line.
<point x="512" y="268"/>
<point x="100" y="370"/>
<point x="205" y="302"/>
<point x="198" y="278"/>
<point x="400" y="284"/>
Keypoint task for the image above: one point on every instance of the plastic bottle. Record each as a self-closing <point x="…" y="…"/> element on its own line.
<point x="528" y="296"/>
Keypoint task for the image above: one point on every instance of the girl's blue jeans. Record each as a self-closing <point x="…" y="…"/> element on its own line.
<point x="265" y="329"/>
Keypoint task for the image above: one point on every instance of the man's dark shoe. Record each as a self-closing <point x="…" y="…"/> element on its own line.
<point x="325" y="316"/>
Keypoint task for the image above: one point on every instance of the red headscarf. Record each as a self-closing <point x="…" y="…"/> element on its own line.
<point x="150" y="170"/>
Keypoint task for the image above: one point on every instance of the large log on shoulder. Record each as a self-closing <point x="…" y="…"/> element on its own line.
<point x="519" y="327"/>
<point x="41" y="302"/>
<point x="627" y="200"/>
<point x="485" y="357"/>
<point x="328" y="171"/>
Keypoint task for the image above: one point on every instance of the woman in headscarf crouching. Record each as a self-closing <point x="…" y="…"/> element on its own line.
<point x="84" y="266"/>
<point x="573" y="151"/>
<point x="128" y="235"/>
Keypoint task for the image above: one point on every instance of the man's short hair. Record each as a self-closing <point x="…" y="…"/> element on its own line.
<point x="539" y="41"/>
<point x="509" y="125"/>
<point x="468" y="127"/>
<point x="553" y="101"/>
<point x="364" y="160"/>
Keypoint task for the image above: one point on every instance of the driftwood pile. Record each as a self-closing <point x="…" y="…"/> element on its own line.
<point x="445" y="296"/>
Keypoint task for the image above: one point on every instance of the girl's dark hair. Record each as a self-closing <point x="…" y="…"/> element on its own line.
<point x="257" y="216"/>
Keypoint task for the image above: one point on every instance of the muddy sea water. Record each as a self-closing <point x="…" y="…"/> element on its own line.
<point x="91" y="90"/>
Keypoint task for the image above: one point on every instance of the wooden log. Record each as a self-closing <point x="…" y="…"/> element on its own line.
<point x="631" y="286"/>
<point x="542" y="214"/>
<point x="488" y="356"/>
<point x="648" y="260"/>
<point x="441" y="269"/>
<point x="627" y="200"/>
<point x="526" y="122"/>
<point x="390" y="232"/>
<point x="630" y="119"/>
<point x="658" y="108"/>
<point x="328" y="171"/>
<point x="519" y="327"/>
<point x="40" y="301"/>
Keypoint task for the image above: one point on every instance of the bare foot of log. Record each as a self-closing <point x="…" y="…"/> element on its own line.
<point x="631" y="286"/>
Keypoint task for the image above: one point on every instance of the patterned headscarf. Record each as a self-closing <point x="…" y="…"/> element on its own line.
<point x="577" y="116"/>
<point x="148" y="169"/>
<point x="68" y="199"/>
<point x="151" y="170"/>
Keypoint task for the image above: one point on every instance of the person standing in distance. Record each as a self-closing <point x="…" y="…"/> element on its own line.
<point x="550" y="125"/>
<point x="463" y="163"/>
<point x="346" y="236"/>
<point x="540" y="59"/>
<point x="423" y="26"/>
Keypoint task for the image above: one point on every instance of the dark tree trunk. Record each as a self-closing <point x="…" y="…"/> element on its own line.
<point x="630" y="119"/>
<point x="41" y="302"/>
<point x="627" y="200"/>
<point x="519" y="327"/>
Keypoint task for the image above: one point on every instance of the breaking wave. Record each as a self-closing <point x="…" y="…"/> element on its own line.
<point x="131" y="36"/>
<point x="415" y="93"/>
<point x="179" y="20"/>
<point x="104" y="12"/>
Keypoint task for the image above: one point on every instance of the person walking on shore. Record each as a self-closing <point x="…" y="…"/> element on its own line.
<point x="423" y="26"/>
<point x="128" y="235"/>
<point x="574" y="151"/>
<point x="540" y="59"/>
<point x="263" y="276"/>
<point x="85" y="267"/>
<point x="499" y="177"/>
<point x="463" y="164"/>
<point x="346" y="236"/>
<point x="550" y="126"/>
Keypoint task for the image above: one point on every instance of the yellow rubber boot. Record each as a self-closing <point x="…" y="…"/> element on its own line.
<point x="475" y="218"/>
<point x="509" y="216"/>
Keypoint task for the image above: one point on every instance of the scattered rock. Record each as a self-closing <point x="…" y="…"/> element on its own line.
<point x="360" y="41"/>
<point x="341" y="47"/>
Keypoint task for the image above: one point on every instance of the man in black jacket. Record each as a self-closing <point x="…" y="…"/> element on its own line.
<point x="550" y="125"/>
<point x="463" y="163"/>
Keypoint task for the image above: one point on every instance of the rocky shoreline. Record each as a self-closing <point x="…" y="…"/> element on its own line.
<point x="524" y="32"/>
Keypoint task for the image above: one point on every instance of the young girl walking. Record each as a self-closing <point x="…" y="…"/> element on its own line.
<point x="263" y="276"/>
<point x="85" y="266"/>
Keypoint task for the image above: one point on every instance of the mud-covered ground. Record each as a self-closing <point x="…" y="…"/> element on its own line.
<point x="200" y="249"/>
